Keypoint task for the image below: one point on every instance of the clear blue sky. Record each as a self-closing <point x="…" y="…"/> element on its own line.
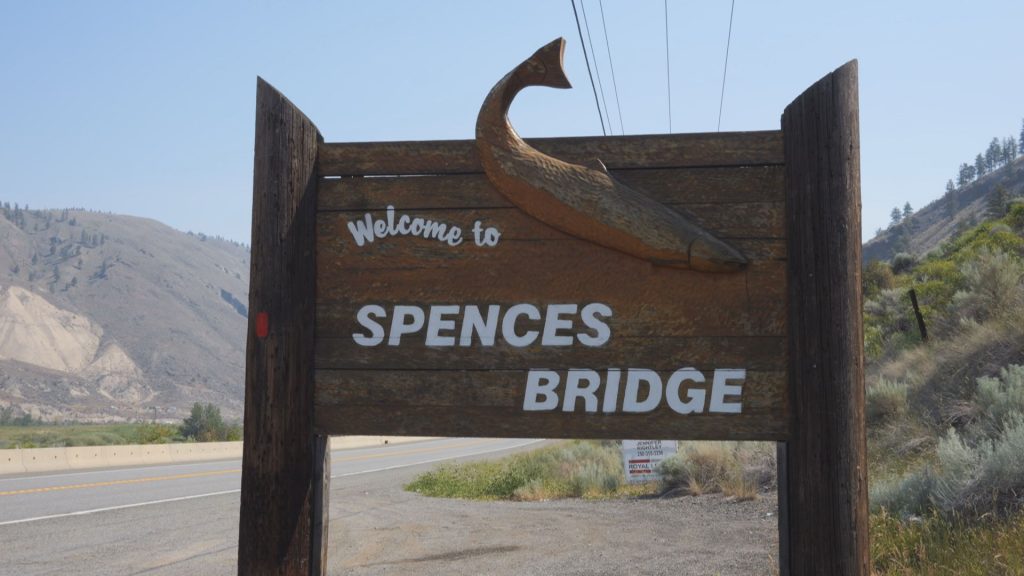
<point x="146" y="108"/>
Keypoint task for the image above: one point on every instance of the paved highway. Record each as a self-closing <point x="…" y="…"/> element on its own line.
<point x="176" y="518"/>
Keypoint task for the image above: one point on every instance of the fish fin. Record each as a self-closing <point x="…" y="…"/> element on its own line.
<point x="596" y="164"/>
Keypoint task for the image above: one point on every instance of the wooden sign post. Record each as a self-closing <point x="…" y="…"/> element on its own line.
<point x="693" y="286"/>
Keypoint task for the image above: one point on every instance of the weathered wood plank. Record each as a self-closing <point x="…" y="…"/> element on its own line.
<point x="617" y="152"/>
<point x="764" y="392"/>
<point x="276" y="520"/>
<point x="653" y="352"/>
<point x="674" y="187"/>
<point x="661" y="317"/>
<point x="514" y="423"/>
<point x="321" y="504"/>
<point x="827" y="514"/>
<point x="489" y="402"/>
<point x="747" y="220"/>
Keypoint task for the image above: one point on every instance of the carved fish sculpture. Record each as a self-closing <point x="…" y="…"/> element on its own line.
<point x="585" y="201"/>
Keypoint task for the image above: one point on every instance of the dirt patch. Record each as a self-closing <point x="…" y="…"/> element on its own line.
<point x="387" y="531"/>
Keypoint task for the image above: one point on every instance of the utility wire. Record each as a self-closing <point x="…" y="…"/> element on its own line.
<point x="725" y="68"/>
<point x="615" y="85"/>
<point x="587" y="60"/>
<point x="668" y="71"/>
<point x="597" y="67"/>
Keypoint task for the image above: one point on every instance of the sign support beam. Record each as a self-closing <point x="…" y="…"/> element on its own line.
<point x="823" y="498"/>
<point x="284" y="482"/>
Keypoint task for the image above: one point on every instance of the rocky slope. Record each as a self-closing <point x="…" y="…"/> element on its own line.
<point x="936" y="223"/>
<point x="115" y="317"/>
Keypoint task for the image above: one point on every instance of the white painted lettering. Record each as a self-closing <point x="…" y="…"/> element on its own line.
<point x="719" y="390"/>
<point x="362" y="230"/>
<point x="508" y="325"/>
<point x="602" y="332"/>
<point x="400" y="327"/>
<point x="696" y="396"/>
<point x="486" y="330"/>
<point x="611" y="391"/>
<point x="376" y="330"/>
<point x="588" y="393"/>
<point x="437" y="323"/>
<point x="535" y="389"/>
<point x="634" y="377"/>
<point x="553" y="323"/>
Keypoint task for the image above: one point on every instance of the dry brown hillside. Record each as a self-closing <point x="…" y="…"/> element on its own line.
<point x="111" y="317"/>
<point x="934" y="224"/>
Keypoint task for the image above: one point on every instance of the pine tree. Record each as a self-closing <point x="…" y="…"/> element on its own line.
<point x="979" y="165"/>
<point x="992" y="154"/>
<point x="1011" y="149"/>
<point x="908" y="211"/>
<point x="961" y="177"/>
<point x="1020" y="143"/>
<point x="951" y="200"/>
<point x="896" y="215"/>
<point x="998" y="201"/>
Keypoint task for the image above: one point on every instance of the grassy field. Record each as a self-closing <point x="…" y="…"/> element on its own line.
<point x="593" y="469"/>
<point x="55" y="436"/>
<point x="938" y="544"/>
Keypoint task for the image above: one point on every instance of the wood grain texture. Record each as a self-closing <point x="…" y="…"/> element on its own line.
<point x="321" y="514"/>
<point x="826" y="497"/>
<point x="459" y="403"/>
<point x="617" y="152"/>
<point x="278" y="464"/>
<point x="675" y="187"/>
<point x="664" y="319"/>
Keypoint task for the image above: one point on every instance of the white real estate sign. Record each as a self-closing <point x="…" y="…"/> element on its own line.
<point x="640" y="458"/>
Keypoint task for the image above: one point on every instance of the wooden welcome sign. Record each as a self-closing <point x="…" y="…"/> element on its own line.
<point x="694" y="286"/>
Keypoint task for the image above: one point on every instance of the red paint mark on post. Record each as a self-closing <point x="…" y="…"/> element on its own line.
<point x="262" y="325"/>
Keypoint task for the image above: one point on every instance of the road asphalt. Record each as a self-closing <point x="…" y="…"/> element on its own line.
<point x="176" y="518"/>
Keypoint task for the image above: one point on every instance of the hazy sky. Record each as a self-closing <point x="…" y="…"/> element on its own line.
<point x="146" y="108"/>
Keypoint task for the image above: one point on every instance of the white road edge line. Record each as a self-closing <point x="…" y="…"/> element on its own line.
<point x="431" y="461"/>
<point x="65" y="473"/>
<point x="223" y="492"/>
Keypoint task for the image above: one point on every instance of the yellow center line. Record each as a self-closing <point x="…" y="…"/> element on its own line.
<point x="117" y="482"/>
<point x="387" y="454"/>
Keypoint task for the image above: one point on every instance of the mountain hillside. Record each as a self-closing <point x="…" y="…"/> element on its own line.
<point x="939" y="221"/>
<point x="116" y="317"/>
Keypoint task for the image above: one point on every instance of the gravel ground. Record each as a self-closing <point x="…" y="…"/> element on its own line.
<point x="386" y="531"/>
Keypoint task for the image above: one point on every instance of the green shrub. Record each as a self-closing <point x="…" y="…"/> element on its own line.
<point x="902" y="263"/>
<point x="889" y="322"/>
<point x="968" y="479"/>
<point x="885" y="401"/>
<point x="586" y="469"/>
<point x="905" y="496"/>
<point x="877" y="276"/>
<point x="999" y="400"/>
<point x="993" y="286"/>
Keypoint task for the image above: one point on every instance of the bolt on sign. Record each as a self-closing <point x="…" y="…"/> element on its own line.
<point x="684" y="286"/>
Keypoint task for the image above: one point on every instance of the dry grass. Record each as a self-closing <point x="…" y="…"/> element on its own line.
<point x="938" y="545"/>
<point x="739" y="470"/>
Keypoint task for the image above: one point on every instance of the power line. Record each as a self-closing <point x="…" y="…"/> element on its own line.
<point x="725" y="68"/>
<point x="597" y="67"/>
<point x="615" y="85"/>
<point x="587" y="60"/>
<point x="668" y="71"/>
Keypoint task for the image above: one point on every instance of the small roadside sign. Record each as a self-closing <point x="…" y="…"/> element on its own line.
<point x="640" y="458"/>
